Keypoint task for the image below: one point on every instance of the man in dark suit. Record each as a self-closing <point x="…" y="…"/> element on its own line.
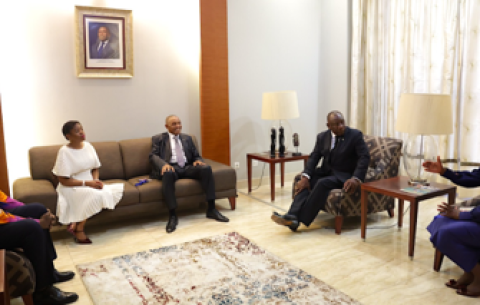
<point x="173" y="157"/>
<point x="104" y="47"/>
<point x="345" y="163"/>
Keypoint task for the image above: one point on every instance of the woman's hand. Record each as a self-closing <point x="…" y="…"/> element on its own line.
<point x="448" y="210"/>
<point x="96" y="184"/>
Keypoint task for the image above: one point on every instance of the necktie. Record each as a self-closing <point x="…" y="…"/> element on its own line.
<point x="100" y="50"/>
<point x="179" y="152"/>
<point x="337" y="140"/>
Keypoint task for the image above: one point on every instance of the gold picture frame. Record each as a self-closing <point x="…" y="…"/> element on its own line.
<point x="103" y="42"/>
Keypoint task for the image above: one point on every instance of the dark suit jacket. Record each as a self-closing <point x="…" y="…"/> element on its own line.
<point x="110" y="50"/>
<point x="162" y="152"/>
<point x="350" y="158"/>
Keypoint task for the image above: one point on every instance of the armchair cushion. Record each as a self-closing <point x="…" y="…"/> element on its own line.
<point x="20" y="274"/>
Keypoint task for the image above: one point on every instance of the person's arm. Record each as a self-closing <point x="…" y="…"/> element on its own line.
<point x="314" y="158"/>
<point x="197" y="159"/>
<point x="160" y="164"/>
<point x="473" y="215"/>
<point x="195" y="153"/>
<point x="154" y="156"/>
<point x="95" y="174"/>
<point x="66" y="181"/>
<point x="463" y="178"/>
<point x="363" y="154"/>
<point x="361" y="150"/>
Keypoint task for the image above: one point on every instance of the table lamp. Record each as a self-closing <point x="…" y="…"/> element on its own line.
<point x="280" y="105"/>
<point x="422" y="115"/>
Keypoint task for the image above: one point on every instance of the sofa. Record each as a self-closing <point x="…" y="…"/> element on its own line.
<point x="123" y="161"/>
<point x="384" y="162"/>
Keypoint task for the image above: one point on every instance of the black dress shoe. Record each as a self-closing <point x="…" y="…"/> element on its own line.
<point x="287" y="220"/>
<point x="172" y="224"/>
<point x="53" y="296"/>
<point x="286" y="216"/>
<point x="60" y="277"/>
<point x="215" y="214"/>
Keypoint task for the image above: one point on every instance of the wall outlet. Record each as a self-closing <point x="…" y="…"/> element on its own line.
<point x="237" y="165"/>
<point x="255" y="162"/>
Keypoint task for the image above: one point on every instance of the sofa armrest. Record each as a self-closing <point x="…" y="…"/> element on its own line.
<point x="225" y="176"/>
<point x="28" y="190"/>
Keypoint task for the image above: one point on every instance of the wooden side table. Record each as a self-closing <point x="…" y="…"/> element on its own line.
<point x="265" y="157"/>
<point x="392" y="187"/>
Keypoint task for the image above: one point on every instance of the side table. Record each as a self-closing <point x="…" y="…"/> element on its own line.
<point x="265" y="157"/>
<point x="392" y="187"/>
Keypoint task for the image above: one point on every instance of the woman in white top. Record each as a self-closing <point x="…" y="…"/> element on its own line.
<point x="80" y="193"/>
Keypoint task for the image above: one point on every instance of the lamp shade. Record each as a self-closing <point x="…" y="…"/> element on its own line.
<point x="280" y="105"/>
<point x="426" y="114"/>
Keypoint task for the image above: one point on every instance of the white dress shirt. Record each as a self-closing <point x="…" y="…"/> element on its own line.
<point x="173" y="144"/>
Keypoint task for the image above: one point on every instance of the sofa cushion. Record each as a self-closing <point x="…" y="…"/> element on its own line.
<point x="130" y="192"/>
<point x="152" y="191"/>
<point x="42" y="160"/>
<point x="111" y="159"/>
<point x="135" y="156"/>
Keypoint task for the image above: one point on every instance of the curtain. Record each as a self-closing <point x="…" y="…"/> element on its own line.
<point x="417" y="46"/>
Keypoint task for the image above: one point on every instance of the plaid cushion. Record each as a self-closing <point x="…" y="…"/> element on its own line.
<point x="20" y="274"/>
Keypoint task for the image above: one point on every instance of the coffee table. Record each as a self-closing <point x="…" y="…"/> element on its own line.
<point x="265" y="157"/>
<point x="392" y="187"/>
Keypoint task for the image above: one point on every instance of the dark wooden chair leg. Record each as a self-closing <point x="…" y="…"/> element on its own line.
<point x="437" y="264"/>
<point x="391" y="213"/>
<point x="4" y="294"/>
<point x="27" y="299"/>
<point x="232" y="201"/>
<point x="338" y="224"/>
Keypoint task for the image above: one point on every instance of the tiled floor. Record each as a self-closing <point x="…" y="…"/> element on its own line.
<point x="375" y="271"/>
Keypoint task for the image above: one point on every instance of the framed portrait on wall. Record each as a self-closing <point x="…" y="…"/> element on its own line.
<point x="104" y="42"/>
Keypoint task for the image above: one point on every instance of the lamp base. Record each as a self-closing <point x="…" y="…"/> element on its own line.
<point x="415" y="182"/>
<point x="296" y="154"/>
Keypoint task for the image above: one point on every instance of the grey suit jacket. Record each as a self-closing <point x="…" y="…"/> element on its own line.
<point x="351" y="157"/>
<point x="162" y="152"/>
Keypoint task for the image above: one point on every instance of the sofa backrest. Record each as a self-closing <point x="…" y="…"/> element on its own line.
<point x="110" y="157"/>
<point x="120" y="160"/>
<point x="136" y="153"/>
<point x="135" y="156"/>
<point x="42" y="160"/>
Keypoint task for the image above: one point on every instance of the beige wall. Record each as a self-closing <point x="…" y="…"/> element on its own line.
<point x="274" y="45"/>
<point x="40" y="90"/>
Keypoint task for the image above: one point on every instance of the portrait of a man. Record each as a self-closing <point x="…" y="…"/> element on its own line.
<point x="104" y="41"/>
<point x="104" y="45"/>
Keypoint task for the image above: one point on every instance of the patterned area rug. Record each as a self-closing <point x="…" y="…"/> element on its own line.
<point x="224" y="269"/>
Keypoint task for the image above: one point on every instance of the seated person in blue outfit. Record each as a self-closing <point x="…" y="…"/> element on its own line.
<point x="457" y="234"/>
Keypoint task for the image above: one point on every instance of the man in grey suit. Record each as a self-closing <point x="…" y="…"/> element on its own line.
<point x="345" y="162"/>
<point x="173" y="157"/>
<point x="104" y="47"/>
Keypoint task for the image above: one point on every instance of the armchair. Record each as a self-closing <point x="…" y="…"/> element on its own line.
<point x="17" y="277"/>
<point x="384" y="162"/>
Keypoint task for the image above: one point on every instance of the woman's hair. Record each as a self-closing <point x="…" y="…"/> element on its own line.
<point x="68" y="126"/>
